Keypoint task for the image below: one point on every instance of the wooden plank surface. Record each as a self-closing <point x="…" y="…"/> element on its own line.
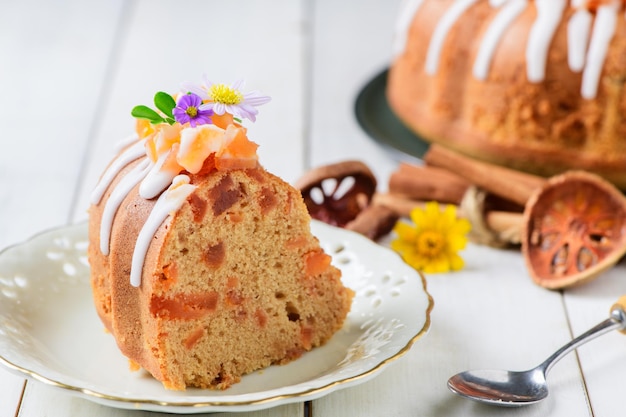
<point x="53" y="56"/>
<point x="70" y="77"/>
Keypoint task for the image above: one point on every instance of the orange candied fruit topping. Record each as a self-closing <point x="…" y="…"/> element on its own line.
<point x="162" y="139"/>
<point x="239" y="152"/>
<point x="223" y="120"/>
<point x="143" y="128"/>
<point x="205" y="120"/>
<point x="190" y="149"/>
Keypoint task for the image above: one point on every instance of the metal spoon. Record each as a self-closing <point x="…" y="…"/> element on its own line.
<point x="517" y="388"/>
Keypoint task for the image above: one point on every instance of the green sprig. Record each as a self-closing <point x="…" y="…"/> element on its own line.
<point x="164" y="102"/>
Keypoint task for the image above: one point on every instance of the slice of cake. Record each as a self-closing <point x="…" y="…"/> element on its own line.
<point x="203" y="264"/>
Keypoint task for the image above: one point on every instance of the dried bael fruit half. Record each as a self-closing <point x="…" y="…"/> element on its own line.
<point x="341" y="194"/>
<point x="337" y="193"/>
<point x="575" y="228"/>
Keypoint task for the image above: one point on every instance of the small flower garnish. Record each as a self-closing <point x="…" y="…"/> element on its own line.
<point x="189" y="109"/>
<point x="222" y="98"/>
<point x="187" y="134"/>
<point x="433" y="243"/>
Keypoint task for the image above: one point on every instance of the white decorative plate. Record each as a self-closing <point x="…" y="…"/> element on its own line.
<point x="50" y="332"/>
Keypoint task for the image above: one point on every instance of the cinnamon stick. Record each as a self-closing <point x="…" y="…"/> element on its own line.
<point x="506" y="226"/>
<point x="427" y="183"/>
<point x="510" y="184"/>
<point x="400" y="205"/>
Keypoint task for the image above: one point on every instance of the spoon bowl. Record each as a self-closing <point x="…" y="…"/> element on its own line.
<point x="503" y="388"/>
<point x="518" y="388"/>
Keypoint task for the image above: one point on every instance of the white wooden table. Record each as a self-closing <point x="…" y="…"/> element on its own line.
<point x="71" y="70"/>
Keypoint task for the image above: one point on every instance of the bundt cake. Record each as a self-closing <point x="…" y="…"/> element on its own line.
<point x="537" y="85"/>
<point x="203" y="265"/>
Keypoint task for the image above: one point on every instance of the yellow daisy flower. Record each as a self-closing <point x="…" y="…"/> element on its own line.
<point x="432" y="243"/>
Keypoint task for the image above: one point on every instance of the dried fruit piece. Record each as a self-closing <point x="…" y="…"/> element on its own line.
<point x="575" y="229"/>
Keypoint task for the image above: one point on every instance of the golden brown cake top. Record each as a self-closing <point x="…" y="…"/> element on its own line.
<point x="194" y="132"/>
<point x="591" y="27"/>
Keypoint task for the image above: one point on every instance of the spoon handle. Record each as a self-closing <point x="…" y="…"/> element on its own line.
<point x="617" y="320"/>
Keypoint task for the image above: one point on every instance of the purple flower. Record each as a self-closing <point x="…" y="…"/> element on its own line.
<point x="188" y="109"/>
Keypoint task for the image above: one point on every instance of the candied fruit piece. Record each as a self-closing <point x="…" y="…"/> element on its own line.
<point x="214" y="255"/>
<point x="198" y="207"/>
<point x="316" y="263"/>
<point x="224" y="195"/>
<point x="267" y="200"/>
<point x="184" y="306"/>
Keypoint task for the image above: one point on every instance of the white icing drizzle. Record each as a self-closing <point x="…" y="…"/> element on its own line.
<point x="549" y="13"/>
<point x="157" y="179"/>
<point x="494" y="33"/>
<point x="603" y="30"/>
<point x="168" y="202"/>
<point x="585" y="53"/>
<point x="114" y="201"/>
<point x="497" y="3"/>
<point x="441" y="31"/>
<point x="127" y="141"/>
<point x="129" y="155"/>
<point x="408" y="9"/>
<point x="578" y="29"/>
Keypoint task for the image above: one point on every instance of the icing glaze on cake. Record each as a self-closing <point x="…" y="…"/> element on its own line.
<point x="588" y="37"/>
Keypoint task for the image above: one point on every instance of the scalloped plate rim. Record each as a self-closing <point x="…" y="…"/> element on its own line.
<point x="206" y="404"/>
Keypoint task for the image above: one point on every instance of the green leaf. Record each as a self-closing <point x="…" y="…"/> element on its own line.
<point x="165" y="103"/>
<point x="145" y="112"/>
